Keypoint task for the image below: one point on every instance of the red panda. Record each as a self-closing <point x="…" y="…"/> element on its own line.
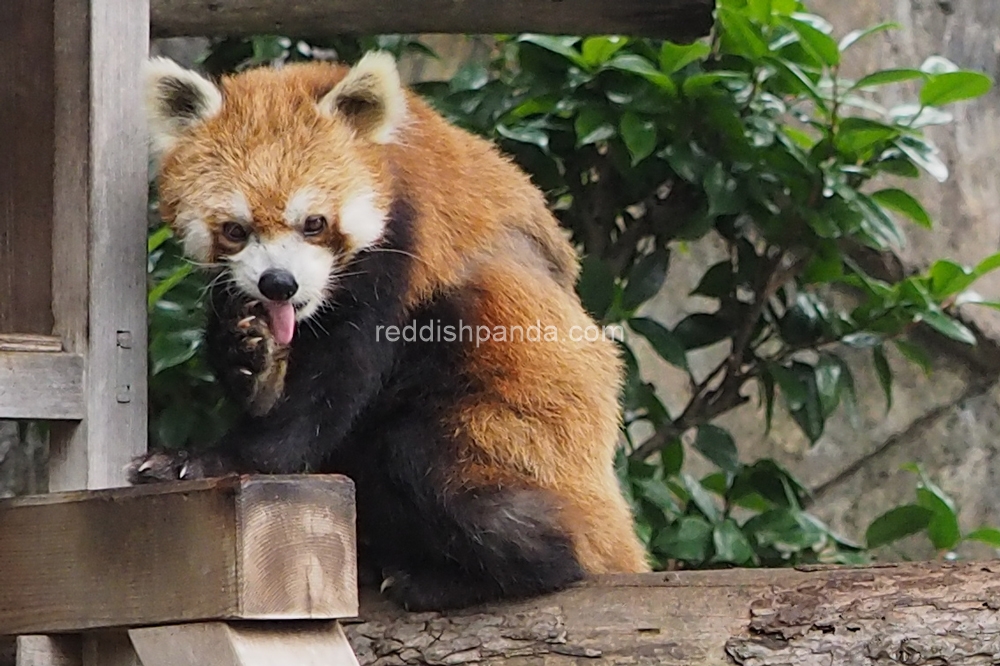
<point x="341" y="212"/>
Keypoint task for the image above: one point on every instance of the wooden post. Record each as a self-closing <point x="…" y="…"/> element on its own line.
<point x="175" y="564"/>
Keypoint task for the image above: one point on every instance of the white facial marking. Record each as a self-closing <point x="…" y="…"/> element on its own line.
<point x="301" y="204"/>
<point x="239" y="207"/>
<point x="311" y="265"/>
<point x="195" y="236"/>
<point x="361" y="220"/>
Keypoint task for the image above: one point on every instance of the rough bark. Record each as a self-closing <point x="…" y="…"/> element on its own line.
<point x="914" y="614"/>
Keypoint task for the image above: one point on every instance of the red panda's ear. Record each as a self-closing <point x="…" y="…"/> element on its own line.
<point x="176" y="99"/>
<point x="370" y="97"/>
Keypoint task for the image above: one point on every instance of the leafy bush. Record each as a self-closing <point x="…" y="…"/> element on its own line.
<point x="752" y="137"/>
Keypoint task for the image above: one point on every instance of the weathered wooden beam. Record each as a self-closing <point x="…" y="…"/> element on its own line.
<point x="900" y="614"/>
<point x="251" y="548"/>
<point x="41" y="385"/>
<point x="679" y="20"/>
<point x="245" y="644"/>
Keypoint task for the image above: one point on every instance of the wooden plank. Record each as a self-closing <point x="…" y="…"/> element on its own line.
<point x="926" y="613"/>
<point x="258" y="548"/>
<point x="37" y="385"/>
<point x="251" y="644"/>
<point x="679" y="20"/>
<point x="27" y="98"/>
<point x="101" y="178"/>
<point x="49" y="650"/>
<point x="28" y="342"/>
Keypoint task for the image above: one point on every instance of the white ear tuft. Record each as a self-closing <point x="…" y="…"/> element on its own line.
<point x="371" y="97"/>
<point x="176" y="99"/>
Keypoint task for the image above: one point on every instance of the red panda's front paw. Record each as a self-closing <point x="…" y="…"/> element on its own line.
<point x="255" y="363"/>
<point x="161" y="466"/>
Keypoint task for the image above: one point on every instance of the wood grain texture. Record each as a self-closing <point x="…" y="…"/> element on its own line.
<point x="29" y="342"/>
<point x="914" y="614"/>
<point x="244" y="644"/>
<point x="679" y="20"/>
<point x="99" y="239"/>
<point x="179" y="552"/>
<point x="26" y="100"/>
<point x="41" y="385"/>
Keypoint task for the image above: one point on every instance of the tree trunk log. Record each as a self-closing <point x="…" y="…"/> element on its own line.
<point x="914" y="614"/>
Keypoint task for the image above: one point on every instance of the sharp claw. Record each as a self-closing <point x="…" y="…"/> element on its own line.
<point x="183" y="472"/>
<point x="252" y="304"/>
<point x="148" y="464"/>
<point x="253" y="342"/>
<point x="386" y="584"/>
<point x="246" y="321"/>
<point x="246" y="372"/>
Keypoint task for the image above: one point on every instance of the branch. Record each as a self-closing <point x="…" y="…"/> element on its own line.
<point x="930" y="613"/>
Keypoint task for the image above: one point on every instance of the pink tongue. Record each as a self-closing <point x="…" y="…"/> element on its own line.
<point x="282" y="319"/>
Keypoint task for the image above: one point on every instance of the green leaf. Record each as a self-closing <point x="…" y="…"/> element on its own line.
<point x="988" y="535"/>
<point x="672" y="457"/>
<point x="793" y="390"/>
<point x="701" y="330"/>
<point x="564" y="46"/>
<point x="820" y="45"/>
<point x="592" y="126"/>
<point x="897" y="524"/>
<point x="947" y="326"/>
<point x="884" y="373"/>
<point x="938" y="65"/>
<point x="731" y="545"/>
<point x="639" y="135"/>
<point x="905" y="203"/>
<point x="987" y="265"/>
<point x="168" y="350"/>
<point x="666" y="345"/>
<point x="829" y="377"/>
<point x="954" y="87"/>
<point x="740" y="36"/>
<point x="636" y="64"/>
<point x="887" y="77"/>
<point x="855" y="135"/>
<point x="645" y="279"/>
<point x="688" y="539"/>
<point x="721" y="189"/>
<point x="701" y="498"/>
<point x="855" y="36"/>
<point x="925" y="157"/>
<point x="524" y="134"/>
<point x="657" y="493"/>
<point x="718" y="446"/>
<point x="949" y="278"/>
<point x="718" y="281"/>
<point x="674" y="58"/>
<point x="596" y="286"/>
<point x="914" y="354"/>
<point x="943" y="529"/>
<point x="597" y="50"/>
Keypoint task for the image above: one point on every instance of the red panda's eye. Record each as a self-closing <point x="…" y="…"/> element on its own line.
<point x="234" y="232"/>
<point x="313" y="225"/>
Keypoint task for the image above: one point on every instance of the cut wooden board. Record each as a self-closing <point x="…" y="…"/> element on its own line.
<point x="260" y="548"/>
<point x="244" y="644"/>
<point x="679" y="20"/>
<point x="915" y="614"/>
<point x="41" y="385"/>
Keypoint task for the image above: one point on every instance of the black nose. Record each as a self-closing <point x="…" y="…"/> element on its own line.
<point x="277" y="285"/>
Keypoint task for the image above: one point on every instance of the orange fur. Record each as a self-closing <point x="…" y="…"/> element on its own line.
<point x="551" y="415"/>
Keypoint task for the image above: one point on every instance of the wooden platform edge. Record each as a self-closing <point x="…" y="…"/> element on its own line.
<point x="677" y="20"/>
<point x="240" y="548"/>
<point x="928" y="613"/>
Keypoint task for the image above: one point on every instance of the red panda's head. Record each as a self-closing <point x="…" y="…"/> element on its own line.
<point x="276" y="175"/>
